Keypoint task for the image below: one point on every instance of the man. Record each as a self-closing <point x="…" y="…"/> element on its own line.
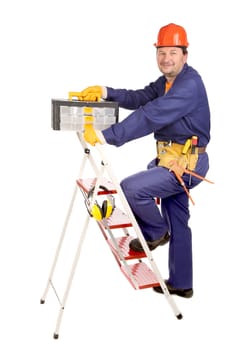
<point x="175" y="108"/>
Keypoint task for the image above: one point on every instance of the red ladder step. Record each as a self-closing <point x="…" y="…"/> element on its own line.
<point x="118" y="219"/>
<point x="143" y="275"/>
<point x="123" y="245"/>
<point x="89" y="183"/>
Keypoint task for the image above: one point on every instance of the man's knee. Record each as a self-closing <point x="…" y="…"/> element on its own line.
<point x="129" y="187"/>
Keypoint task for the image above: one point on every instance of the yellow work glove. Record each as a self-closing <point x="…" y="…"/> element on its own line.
<point x="92" y="93"/>
<point x="90" y="134"/>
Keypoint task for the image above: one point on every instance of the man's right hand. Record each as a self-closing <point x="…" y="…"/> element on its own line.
<point x="92" y="93"/>
<point x="90" y="134"/>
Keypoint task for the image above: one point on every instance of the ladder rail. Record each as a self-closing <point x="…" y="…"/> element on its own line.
<point x="71" y="275"/>
<point x="87" y="156"/>
<point x="59" y="246"/>
<point x="62" y="301"/>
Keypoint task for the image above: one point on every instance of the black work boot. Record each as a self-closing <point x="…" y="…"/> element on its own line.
<point x="184" y="293"/>
<point x="135" y="244"/>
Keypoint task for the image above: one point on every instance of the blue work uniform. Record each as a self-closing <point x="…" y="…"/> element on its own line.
<point x="174" y="116"/>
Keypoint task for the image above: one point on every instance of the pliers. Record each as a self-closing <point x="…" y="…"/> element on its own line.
<point x="178" y="170"/>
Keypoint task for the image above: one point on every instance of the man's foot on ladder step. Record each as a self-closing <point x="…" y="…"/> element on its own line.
<point x="135" y="244"/>
<point x="184" y="293"/>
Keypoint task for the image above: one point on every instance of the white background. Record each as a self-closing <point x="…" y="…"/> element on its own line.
<point x="47" y="50"/>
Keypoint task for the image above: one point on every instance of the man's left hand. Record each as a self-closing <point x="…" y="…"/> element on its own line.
<point x="90" y="135"/>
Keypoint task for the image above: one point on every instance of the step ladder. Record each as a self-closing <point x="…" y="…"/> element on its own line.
<point x="118" y="230"/>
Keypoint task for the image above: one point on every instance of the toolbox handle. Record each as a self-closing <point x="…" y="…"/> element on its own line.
<point x="73" y="94"/>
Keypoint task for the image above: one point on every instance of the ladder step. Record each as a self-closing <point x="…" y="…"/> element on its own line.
<point x="123" y="245"/>
<point x="143" y="275"/>
<point x="89" y="183"/>
<point x="118" y="219"/>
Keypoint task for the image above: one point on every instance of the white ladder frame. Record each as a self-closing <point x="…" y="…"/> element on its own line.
<point x="105" y="166"/>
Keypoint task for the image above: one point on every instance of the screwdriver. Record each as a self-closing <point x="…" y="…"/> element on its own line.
<point x="193" y="151"/>
<point x="194" y="144"/>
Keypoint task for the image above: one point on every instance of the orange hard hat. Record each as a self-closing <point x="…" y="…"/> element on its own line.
<point x="172" y="35"/>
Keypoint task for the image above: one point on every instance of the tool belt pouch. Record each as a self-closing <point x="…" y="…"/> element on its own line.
<point x="170" y="154"/>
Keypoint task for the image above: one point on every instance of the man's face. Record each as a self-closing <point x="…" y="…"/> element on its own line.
<point x="170" y="61"/>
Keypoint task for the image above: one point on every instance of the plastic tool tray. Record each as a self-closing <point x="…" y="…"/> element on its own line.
<point x="68" y="115"/>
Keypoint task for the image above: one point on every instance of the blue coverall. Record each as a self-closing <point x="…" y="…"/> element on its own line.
<point x="175" y="116"/>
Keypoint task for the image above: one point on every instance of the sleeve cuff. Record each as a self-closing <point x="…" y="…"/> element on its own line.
<point x="104" y="92"/>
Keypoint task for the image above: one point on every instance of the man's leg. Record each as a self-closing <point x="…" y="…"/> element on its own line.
<point x="176" y="210"/>
<point x="141" y="189"/>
